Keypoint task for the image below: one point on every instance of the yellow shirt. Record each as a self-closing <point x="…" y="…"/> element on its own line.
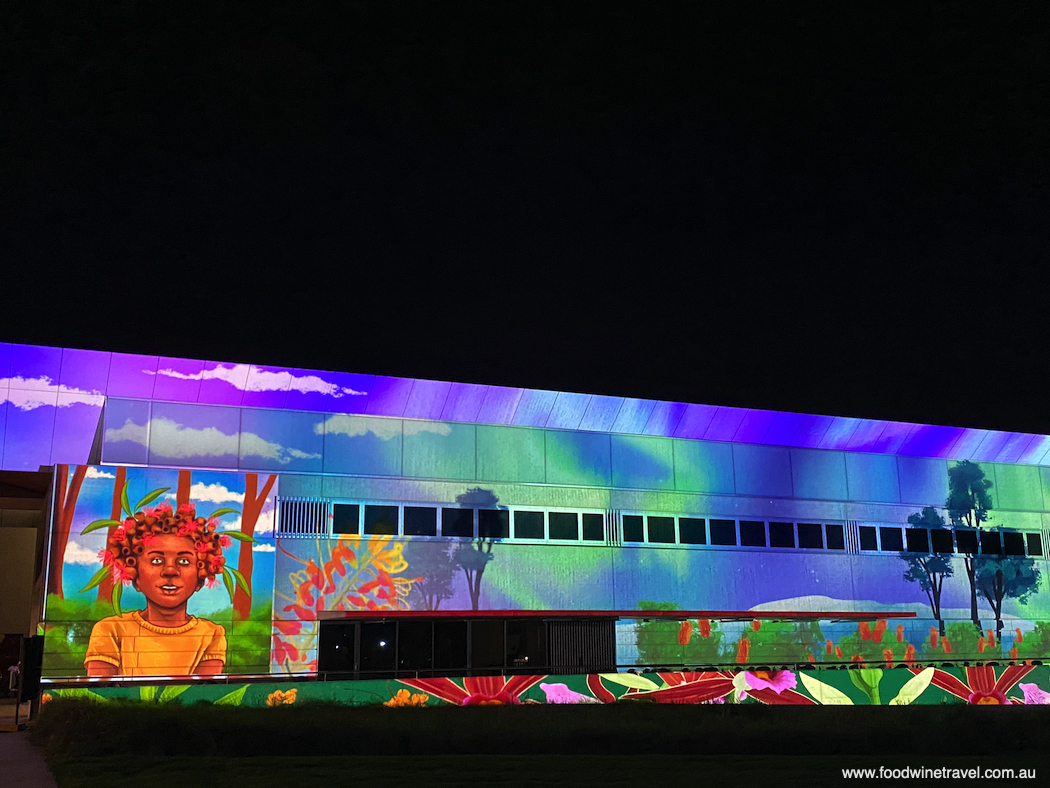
<point x="139" y="648"/>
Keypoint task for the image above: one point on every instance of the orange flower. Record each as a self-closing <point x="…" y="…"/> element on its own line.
<point x="909" y="654"/>
<point x="830" y="647"/>
<point x="933" y="637"/>
<point x="811" y="657"/>
<point x="46" y="697"/>
<point x="685" y="632"/>
<point x="947" y="646"/>
<point x="887" y="654"/>
<point x="1013" y="653"/>
<point x="991" y="638"/>
<point x="857" y="658"/>
<point x="279" y="698"/>
<point x="980" y="644"/>
<point x="838" y="651"/>
<point x="865" y="630"/>
<point x="743" y="650"/>
<point x="705" y="627"/>
<point x="756" y="625"/>
<point x="1020" y="637"/>
<point x="900" y="633"/>
<point x="403" y="698"/>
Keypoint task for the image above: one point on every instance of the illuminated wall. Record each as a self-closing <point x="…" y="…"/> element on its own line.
<point x="106" y="606"/>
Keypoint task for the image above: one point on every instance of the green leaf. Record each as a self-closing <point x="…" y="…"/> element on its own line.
<point x="147" y="694"/>
<point x="100" y="524"/>
<point x="241" y="582"/>
<point x="96" y="579"/>
<point x="125" y="504"/>
<point x="867" y="681"/>
<point x="221" y="512"/>
<point x="227" y="580"/>
<point x="170" y="693"/>
<point x="233" y="698"/>
<point x="151" y="498"/>
<point x="236" y="535"/>
<point x="824" y="693"/>
<point x="83" y="694"/>
<point x="913" y="688"/>
<point x="630" y="680"/>
<point x="118" y="590"/>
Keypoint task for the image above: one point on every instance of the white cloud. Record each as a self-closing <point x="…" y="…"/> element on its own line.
<point x="213" y="493"/>
<point x="263" y="525"/>
<point x="137" y="433"/>
<point x="384" y="429"/>
<point x="77" y="554"/>
<point x="95" y="473"/>
<point x="240" y="377"/>
<point x="33" y="393"/>
<point x="264" y="547"/>
<point x="171" y="439"/>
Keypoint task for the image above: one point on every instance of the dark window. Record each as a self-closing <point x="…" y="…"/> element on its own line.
<point x="661" y="529"/>
<point x="346" y="518"/>
<point x="378" y="647"/>
<point x="810" y="535"/>
<point x="836" y="536"/>
<point x="526" y="645"/>
<point x="891" y="540"/>
<point x="421" y="521"/>
<point x="918" y="540"/>
<point x="1013" y="543"/>
<point x="486" y="645"/>
<point x="723" y="532"/>
<point x="415" y="646"/>
<point x="781" y="535"/>
<point x="1035" y="544"/>
<point x="632" y="528"/>
<point x="381" y="520"/>
<point x="594" y="528"/>
<point x="990" y="543"/>
<point x="868" y="538"/>
<point x="493" y="523"/>
<point x="691" y="531"/>
<point x="335" y="647"/>
<point x="752" y="533"/>
<point x="528" y="525"/>
<point x="457" y="522"/>
<point x="450" y="647"/>
<point x="564" y="525"/>
<point x="941" y="538"/>
<point x="966" y="541"/>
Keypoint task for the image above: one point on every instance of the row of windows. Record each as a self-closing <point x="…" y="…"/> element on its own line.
<point x="944" y="541"/>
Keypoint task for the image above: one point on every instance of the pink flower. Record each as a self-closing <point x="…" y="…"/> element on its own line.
<point x="217" y="562"/>
<point x="776" y="680"/>
<point x="106" y="557"/>
<point x="210" y="582"/>
<point x="993" y="698"/>
<point x="120" y="574"/>
<point x="149" y="539"/>
<point x="119" y="534"/>
<point x="185" y="530"/>
<point x="213" y="523"/>
<point x="187" y="508"/>
<point x="164" y="506"/>
<point x="150" y="511"/>
<point x="1034" y="695"/>
<point x="560" y="693"/>
<point x="225" y="541"/>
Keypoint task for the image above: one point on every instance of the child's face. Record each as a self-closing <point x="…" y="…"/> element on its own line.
<point x="168" y="571"/>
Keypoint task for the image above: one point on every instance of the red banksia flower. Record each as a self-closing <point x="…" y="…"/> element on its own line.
<point x="756" y="625"/>
<point x="900" y="633"/>
<point x="814" y="659"/>
<point x="887" y="654"/>
<point x="980" y="644"/>
<point x="857" y="658"/>
<point x="865" y="630"/>
<point x="1020" y="637"/>
<point x="830" y="647"/>
<point x="947" y="646"/>
<point x="838" y="652"/>
<point x="705" y="627"/>
<point x="934" y="636"/>
<point x="991" y="638"/>
<point x="743" y="650"/>
<point x="909" y="654"/>
<point x="685" y="632"/>
<point x="1013" y="653"/>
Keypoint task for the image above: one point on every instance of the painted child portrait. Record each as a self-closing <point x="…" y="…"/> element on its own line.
<point x="168" y="556"/>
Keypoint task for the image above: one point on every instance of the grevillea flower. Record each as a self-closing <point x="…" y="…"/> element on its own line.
<point x="982" y="687"/>
<point x="403" y="698"/>
<point x="775" y="680"/>
<point x="685" y="632"/>
<point x="560" y="693"/>
<point x="477" y="690"/>
<point x="1034" y="695"/>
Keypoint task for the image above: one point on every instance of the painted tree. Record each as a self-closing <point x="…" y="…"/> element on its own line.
<point x="435" y="563"/>
<point x="105" y="588"/>
<point x="929" y="571"/>
<point x="254" y="500"/>
<point x="182" y="492"/>
<point x="474" y="556"/>
<point x="1008" y="577"/>
<point x="968" y="505"/>
<point x="67" y="490"/>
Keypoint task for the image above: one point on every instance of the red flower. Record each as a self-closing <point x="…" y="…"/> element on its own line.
<point x="865" y="630"/>
<point x="831" y="648"/>
<point x="477" y="690"/>
<point x="756" y="625"/>
<point x="743" y="650"/>
<point x="982" y="687"/>
<point x="685" y="632"/>
<point x="705" y="627"/>
<point x="900" y="633"/>
<point x="706" y="686"/>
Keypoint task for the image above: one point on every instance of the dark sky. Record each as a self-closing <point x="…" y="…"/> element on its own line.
<point x="830" y="208"/>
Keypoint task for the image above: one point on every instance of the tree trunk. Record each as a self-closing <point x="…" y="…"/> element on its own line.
<point x="105" y="588"/>
<point x="182" y="493"/>
<point x="65" y="506"/>
<point x="253" y="504"/>
<point x="970" y="572"/>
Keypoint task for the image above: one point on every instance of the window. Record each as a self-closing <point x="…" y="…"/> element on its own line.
<point x="661" y="530"/>
<point x="450" y="646"/>
<point x="781" y="534"/>
<point x="415" y="646"/>
<point x="457" y="522"/>
<point x="752" y="533"/>
<point x="918" y="540"/>
<point x="564" y="525"/>
<point x="723" y="532"/>
<point x="378" y="646"/>
<point x="593" y="528"/>
<point x="1013" y="543"/>
<point x="493" y="523"/>
<point x="868" y="538"/>
<point x="941" y="538"/>
<point x="1035" y="544"/>
<point x="891" y="539"/>
<point x="420" y="521"/>
<point x="486" y="645"/>
<point x="381" y="520"/>
<point x="966" y="541"/>
<point x="692" y="531"/>
<point x="526" y="644"/>
<point x="810" y="535"/>
<point x="990" y="543"/>
<point x="335" y="648"/>
<point x="836" y="536"/>
<point x="528" y="525"/>
<point x="346" y="518"/>
<point x="632" y="528"/>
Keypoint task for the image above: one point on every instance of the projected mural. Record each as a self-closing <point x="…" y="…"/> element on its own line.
<point x="178" y="583"/>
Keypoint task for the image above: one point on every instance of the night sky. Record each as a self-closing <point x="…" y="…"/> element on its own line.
<point x="835" y="208"/>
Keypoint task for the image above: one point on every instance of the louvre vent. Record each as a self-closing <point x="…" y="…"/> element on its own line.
<point x="308" y="517"/>
<point x="582" y="646"/>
